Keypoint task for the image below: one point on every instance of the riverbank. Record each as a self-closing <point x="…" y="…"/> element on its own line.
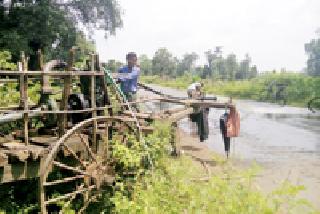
<point x="283" y="158"/>
<point x="300" y="88"/>
<point x="201" y="181"/>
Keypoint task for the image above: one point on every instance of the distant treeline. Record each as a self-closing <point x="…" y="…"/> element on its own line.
<point x="163" y="63"/>
<point x="299" y="88"/>
<point x="217" y="67"/>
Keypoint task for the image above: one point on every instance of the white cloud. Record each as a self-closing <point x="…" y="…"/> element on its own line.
<point x="273" y="32"/>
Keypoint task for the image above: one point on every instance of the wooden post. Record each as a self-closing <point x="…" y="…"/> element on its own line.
<point x="44" y="78"/>
<point x="66" y="92"/>
<point x="173" y="138"/>
<point x="42" y="199"/>
<point x="24" y="96"/>
<point x="106" y="143"/>
<point x="93" y="103"/>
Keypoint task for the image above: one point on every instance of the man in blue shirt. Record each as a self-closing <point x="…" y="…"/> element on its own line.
<point x="128" y="77"/>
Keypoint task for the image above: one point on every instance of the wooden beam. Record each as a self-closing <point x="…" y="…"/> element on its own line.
<point x="180" y="115"/>
<point x="53" y="73"/>
<point x="93" y="104"/>
<point x="24" y="96"/>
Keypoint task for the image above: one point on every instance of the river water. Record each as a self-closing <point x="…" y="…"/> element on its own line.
<point x="284" y="140"/>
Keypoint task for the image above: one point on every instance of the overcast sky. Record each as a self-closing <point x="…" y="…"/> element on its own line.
<point x="273" y="32"/>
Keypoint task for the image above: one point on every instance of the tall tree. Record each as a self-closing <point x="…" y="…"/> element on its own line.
<point x="244" y="68"/>
<point x="187" y="63"/>
<point x="210" y="59"/>
<point x="253" y="72"/>
<point x="51" y="25"/>
<point x="145" y="65"/>
<point x="313" y="51"/>
<point x="163" y="63"/>
<point x="231" y="66"/>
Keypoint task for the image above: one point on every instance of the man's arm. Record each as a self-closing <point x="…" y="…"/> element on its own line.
<point x="128" y="76"/>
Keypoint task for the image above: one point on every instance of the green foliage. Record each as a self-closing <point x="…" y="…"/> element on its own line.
<point x="5" y="61"/>
<point x="186" y="65"/>
<point x="136" y="155"/>
<point x="85" y="47"/>
<point x="53" y="26"/>
<point x="9" y="95"/>
<point x="12" y="201"/>
<point x="112" y="65"/>
<point x="145" y="65"/>
<point x="163" y="63"/>
<point x="175" y="187"/>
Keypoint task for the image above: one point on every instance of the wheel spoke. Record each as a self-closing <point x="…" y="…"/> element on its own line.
<point x="87" y="146"/>
<point x="69" y="195"/>
<point x="63" y="166"/>
<point x="69" y="202"/>
<point x="74" y="154"/>
<point x="65" y="180"/>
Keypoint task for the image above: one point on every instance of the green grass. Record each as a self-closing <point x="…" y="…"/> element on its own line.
<point x="176" y="185"/>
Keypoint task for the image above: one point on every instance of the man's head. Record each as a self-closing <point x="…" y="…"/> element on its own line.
<point x="131" y="59"/>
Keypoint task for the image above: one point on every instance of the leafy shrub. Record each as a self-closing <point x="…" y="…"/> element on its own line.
<point x="5" y="64"/>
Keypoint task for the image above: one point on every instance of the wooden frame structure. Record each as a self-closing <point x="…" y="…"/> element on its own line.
<point x="36" y="157"/>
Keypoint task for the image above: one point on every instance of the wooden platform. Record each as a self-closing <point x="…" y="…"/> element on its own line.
<point x="19" y="162"/>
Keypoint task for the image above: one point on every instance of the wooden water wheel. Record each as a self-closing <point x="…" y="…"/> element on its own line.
<point x="81" y="164"/>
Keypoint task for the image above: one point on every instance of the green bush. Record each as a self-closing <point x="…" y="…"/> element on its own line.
<point x="5" y="64"/>
<point x="175" y="187"/>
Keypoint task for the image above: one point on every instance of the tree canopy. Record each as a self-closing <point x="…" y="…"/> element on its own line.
<point x="53" y="25"/>
<point x="313" y="51"/>
<point x="163" y="63"/>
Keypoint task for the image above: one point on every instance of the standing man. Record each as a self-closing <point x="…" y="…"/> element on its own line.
<point x="128" y="78"/>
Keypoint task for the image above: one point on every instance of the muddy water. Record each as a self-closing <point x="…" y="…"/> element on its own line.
<point x="285" y="141"/>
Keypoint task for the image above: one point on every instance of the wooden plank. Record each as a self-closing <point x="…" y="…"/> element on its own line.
<point x="19" y="171"/>
<point x="23" y="152"/>
<point x="53" y="73"/>
<point x="13" y="108"/>
<point x="5" y="81"/>
<point x="3" y="159"/>
<point x="43" y="140"/>
<point x="179" y="115"/>
<point x="147" y="129"/>
<point x="200" y="103"/>
<point x="141" y="115"/>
